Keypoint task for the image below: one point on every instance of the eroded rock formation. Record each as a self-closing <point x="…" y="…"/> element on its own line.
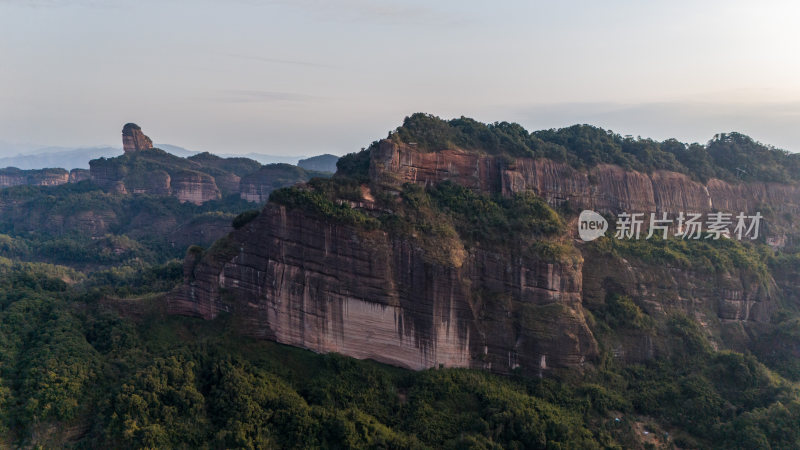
<point x="11" y="176"/>
<point x="257" y="186"/>
<point x="605" y="188"/>
<point x="194" y="187"/>
<point x="78" y="175"/>
<point x="302" y="281"/>
<point x="133" y="139"/>
<point x="292" y="277"/>
<point x="197" y="179"/>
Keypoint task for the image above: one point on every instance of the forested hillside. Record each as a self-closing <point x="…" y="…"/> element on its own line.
<point x="728" y="156"/>
<point x="89" y="357"/>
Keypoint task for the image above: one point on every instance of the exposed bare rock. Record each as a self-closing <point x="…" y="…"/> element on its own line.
<point x="78" y="175"/>
<point x="618" y="189"/>
<point x="302" y="281"/>
<point x="674" y="191"/>
<point x="257" y="186"/>
<point x="194" y="187"/>
<point x="152" y="182"/>
<point x="15" y="177"/>
<point x="395" y="164"/>
<point x="227" y="183"/>
<point x="133" y="139"/>
<point x="11" y="176"/>
<point x="197" y="179"/>
<point x="106" y="173"/>
<point x="48" y="177"/>
<point x="713" y="298"/>
<point x="605" y="188"/>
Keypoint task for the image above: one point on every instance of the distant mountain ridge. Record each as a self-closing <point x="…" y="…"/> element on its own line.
<point x="144" y="168"/>
<point x="199" y="178"/>
<point x="77" y="158"/>
<point x="322" y="163"/>
<point x="28" y="158"/>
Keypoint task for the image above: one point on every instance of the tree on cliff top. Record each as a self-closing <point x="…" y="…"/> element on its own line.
<point x="729" y="156"/>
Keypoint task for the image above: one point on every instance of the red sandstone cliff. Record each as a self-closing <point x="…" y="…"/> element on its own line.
<point x="300" y="280"/>
<point x="11" y="176"/>
<point x="605" y="188"/>
<point x="133" y="139"/>
<point x="194" y="187"/>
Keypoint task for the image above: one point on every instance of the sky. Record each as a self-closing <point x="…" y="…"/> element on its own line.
<point x="304" y="77"/>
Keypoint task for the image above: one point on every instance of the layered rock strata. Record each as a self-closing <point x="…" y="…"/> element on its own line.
<point x="305" y="282"/>
<point x="133" y="139"/>
<point x="605" y="188"/>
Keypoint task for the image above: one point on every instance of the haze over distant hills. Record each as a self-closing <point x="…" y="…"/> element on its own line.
<point x="30" y="156"/>
<point x="68" y="158"/>
<point x="322" y="163"/>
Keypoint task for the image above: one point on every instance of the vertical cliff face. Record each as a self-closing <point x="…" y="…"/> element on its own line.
<point x="302" y="281"/>
<point x="256" y="186"/>
<point x="605" y="188"/>
<point x="11" y="176"/>
<point x="78" y="175"/>
<point x="197" y="179"/>
<point x="133" y="139"/>
<point x="253" y="191"/>
<point x="228" y="183"/>
<point x="104" y="173"/>
<point x="152" y="182"/>
<point x="126" y="177"/>
<point x="194" y="187"/>
<point x="397" y="163"/>
<point x="724" y="302"/>
<point x="48" y="177"/>
<point x="308" y="280"/>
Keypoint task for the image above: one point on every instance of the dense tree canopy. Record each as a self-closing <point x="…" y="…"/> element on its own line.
<point x="729" y="156"/>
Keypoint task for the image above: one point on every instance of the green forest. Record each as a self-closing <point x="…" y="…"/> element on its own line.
<point x="89" y="358"/>
<point x="93" y="361"/>
<point x="727" y="156"/>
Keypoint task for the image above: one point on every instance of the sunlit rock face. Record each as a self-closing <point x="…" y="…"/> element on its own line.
<point x="302" y="280"/>
<point x="327" y="287"/>
<point x="11" y="176"/>
<point x="194" y="187"/>
<point x="605" y="188"/>
<point x="133" y="139"/>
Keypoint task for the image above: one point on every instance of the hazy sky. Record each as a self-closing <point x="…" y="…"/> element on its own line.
<point x="305" y="77"/>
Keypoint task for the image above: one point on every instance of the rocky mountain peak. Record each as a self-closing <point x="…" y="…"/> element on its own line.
<point x="133" y="139"/>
